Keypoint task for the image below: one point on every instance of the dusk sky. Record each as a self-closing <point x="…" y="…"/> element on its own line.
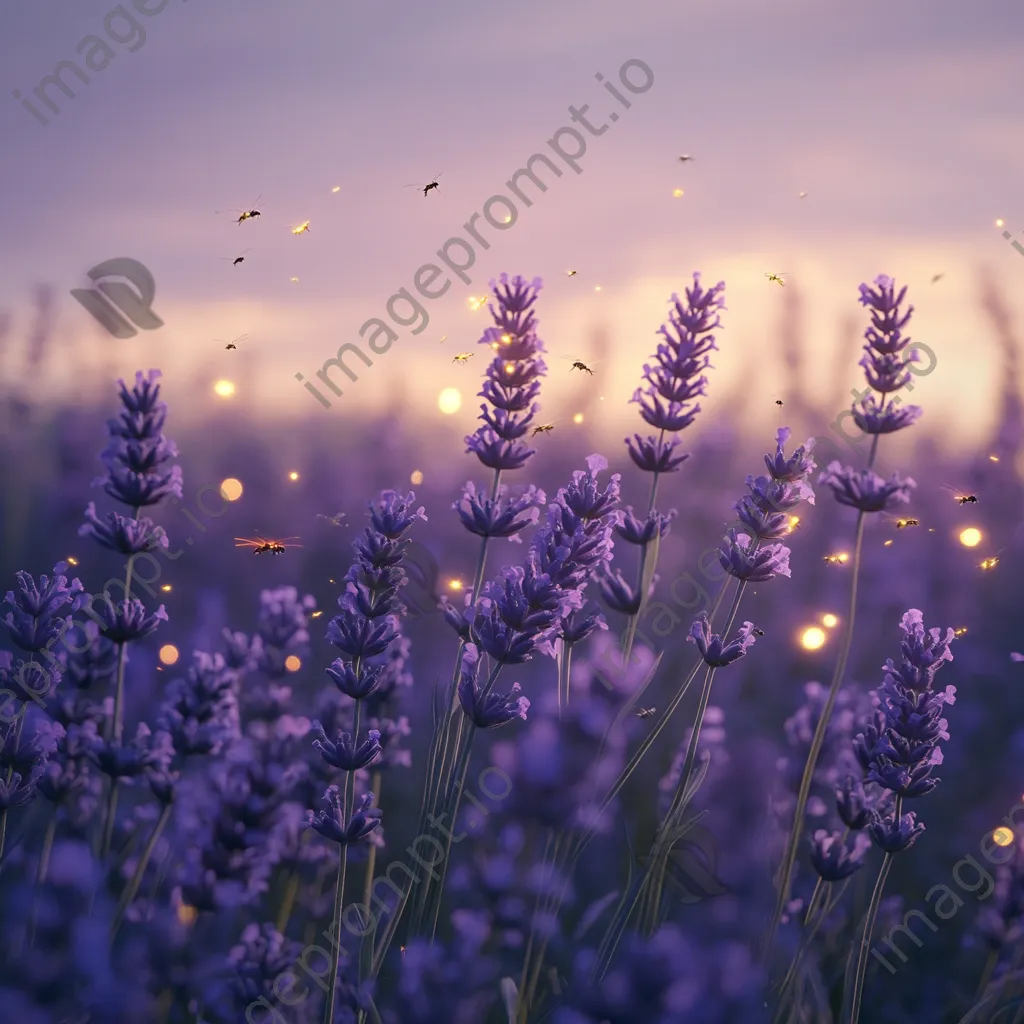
<point x="901" y="121"/>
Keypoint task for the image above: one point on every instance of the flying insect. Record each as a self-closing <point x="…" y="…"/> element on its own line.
<point x="262" y="546"/>
<point x="430" y="184"/>
<point x="237" y="259"/>
<point x="960" y="496"/>
<point x="463" y="357"/>
<point x="544" y="428"/>
<point x="778" y="278"/>
<point x="234" y="344"/>
<point x="250" y="214"/>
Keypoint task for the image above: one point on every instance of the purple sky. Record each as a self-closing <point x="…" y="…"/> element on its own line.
<point x="901" y="121"/>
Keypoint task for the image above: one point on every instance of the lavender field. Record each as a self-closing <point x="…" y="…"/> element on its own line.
<point x="531" y="726"/>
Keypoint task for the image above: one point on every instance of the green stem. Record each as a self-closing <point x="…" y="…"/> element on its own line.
<point x="869" y="927"/>
<point x="132" y="889"/>
<point x="796" y="830"/>
<point x="371" y="857"/>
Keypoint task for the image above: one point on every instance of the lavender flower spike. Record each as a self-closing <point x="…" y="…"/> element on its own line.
<point x="33" y="621"/>
<point x="512" y="379"/>
<point x="713" y="648"/>
<point x="865" y="490"/>
<point x="330" y="824"/>
<point x="676" y="379"/>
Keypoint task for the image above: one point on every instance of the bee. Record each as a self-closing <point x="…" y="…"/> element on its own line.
<point x="335" y="520"/>
<point x="685" y="158"/>
<point x="645" y="712"/>
<point x="578" y="364"/>
<point x="778" y="278"/>
<point x="463" y="357"/>
<point x="234" y="344"/>
<point x="838" y="559"/>
<point x="237" y="259"/>
<point x="758" y="632"/>
<point x="431" y="184"/>
<point x="250" y="214"/>
<point x="544" y="428"/>
<point x="261" y="545"/>
<point x="902" y="524"/>
<point x="960" y="496"/>
<point x="570" y="273"/>
<point x="989" y="563"/>
<point x="298" y="229"/>
<point x="778" y="401"/>
<point x="960" y="631"/>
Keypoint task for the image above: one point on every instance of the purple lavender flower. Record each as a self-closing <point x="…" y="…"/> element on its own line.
<point x="885" y="360"/>
<point x="634" y="531"/>
<point x="831" y="859"/>
<point x="893" y="836"/>
<point x="740" y="558"/>
<point x="201" y="711"/>
<point x="32" y="621"/>
<point x="501" y="517"/>
<point x="345" y="755"/>
<point x="494" y="709"/>
<point x="127" y="621"/>
<point x="512" y="382"/>
<point x="121" y="534"/>
<point x="865" y="490"/>
<point x="713" y="648"/>
<point x="852" y="804"/>
<point x="138" y="453"/>
<point x="282" y="629"/>
<point x="676" y="379"/>
<point x="331" y="824"/>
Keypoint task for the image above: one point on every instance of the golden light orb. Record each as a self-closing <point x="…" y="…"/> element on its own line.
<point x="449" y="401"/>
<point x="224" y="388"/>
<point x="971" y="537"/>
<point x="812" y="638"/>
<point x="293" y="663"/>
<point x="168" y="654"/>
<point x="231" y="489"/>
<point x="416" y="478"/>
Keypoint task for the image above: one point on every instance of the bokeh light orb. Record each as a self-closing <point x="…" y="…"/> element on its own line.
<point x="812" y="638"/>
<point x="231" y="489"/>
<point x="416" y="478"/>
<point x="168" y="654"/>
<point x="1002" y="837"/>
<point x="971" y="537"/>
<point x="224" y="388"/>
<point x="293" y="663"/>
<point x="449" y="401"/>
<point x="830" y="621"/>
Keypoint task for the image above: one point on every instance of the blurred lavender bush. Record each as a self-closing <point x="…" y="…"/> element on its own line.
<point x="514" y="810"/>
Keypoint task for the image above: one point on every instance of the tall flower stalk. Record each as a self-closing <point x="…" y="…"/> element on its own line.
<point x="673" y="382"/>
<point x="886" y="361"/>
<point x="140" y="475"/>
<point x="898" y="752"/>
<point x="364" y="631"/>
<point x="757" y="556"/>
<point x="510" y="389"/>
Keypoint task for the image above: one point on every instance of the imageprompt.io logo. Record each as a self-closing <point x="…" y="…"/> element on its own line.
<point x="111" y="298"/>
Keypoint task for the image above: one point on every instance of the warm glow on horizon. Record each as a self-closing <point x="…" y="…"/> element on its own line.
<point x="449" y="401"/>
<point x="971" y="537"/>
<point x="224" y="388"/>
<point x="812" y="638"/>
<point x="168" y="654"/>
<point x="231" y="489"/>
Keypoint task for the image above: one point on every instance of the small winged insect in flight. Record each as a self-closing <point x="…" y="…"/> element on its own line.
<point x="838" y="559"/>
<point x="989" y="563"/>
<point x="429" y="185"/>
<point x="961" y="497"/>
<point x="778" y="278"/>
<point x="685" y="158"/>
<point x="261" y="545"/>
<point x="758" y="632"/>
<point x="249" y="214"/>
<point x="237" y="259"/>
<point x="570" y="273"/>
<point x="298" y="229"/>
<point x="544" y="428"/>
<point x="902" y="524"/>
<point x="463" y="357"/>
<point x="234" y="344"/>
<point x="335" y="520"/>
<point x="959" y="631"/>
<point x="778" y="401"/>
<point x="645" y="712"/>
<point x="578" y="364"/>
